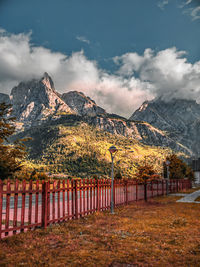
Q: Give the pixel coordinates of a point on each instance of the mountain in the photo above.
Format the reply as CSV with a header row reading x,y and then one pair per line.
x,y
82,105
4,98
71,133
179,118
36,101
73,147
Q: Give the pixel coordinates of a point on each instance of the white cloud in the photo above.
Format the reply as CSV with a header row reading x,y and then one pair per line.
x,y
188,2
83,39
195,13
168,71
139,77
162,4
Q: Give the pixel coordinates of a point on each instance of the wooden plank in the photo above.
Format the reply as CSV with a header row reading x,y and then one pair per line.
x,y
58,203
30,204
63,197
36,201
23,205
44,203
84,212
48,202
90,196
15,205
68,198
94,195
76,198
1,205
80,197
7,208
53,200
87,188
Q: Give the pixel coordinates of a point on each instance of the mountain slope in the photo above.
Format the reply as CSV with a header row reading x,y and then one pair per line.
x,y
78,149
36,100
81,104
179,118
36,103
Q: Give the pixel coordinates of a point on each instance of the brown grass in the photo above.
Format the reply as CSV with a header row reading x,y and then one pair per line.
x,y
158,233
197,199
189,191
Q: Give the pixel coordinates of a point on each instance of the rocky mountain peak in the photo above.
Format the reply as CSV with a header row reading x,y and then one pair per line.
x,y
47,81
178,117
82,104
36,100
4,98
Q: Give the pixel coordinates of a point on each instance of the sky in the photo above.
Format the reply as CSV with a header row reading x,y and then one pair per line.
x,y
118,52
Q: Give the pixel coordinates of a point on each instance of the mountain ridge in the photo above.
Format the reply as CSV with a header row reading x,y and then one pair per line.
x,y
37,102
180,118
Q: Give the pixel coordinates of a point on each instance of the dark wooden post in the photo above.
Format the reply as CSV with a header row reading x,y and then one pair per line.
x,y
97,184
145,191
1,204
157,188
126,188
136,190
44,204
76,199
114,184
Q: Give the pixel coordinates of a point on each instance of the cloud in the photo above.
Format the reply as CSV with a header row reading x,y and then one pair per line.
x,y
162,4
188,2
192,11
83,39
138,78
195,13
168,71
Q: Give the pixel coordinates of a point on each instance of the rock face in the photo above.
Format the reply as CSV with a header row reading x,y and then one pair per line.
x,y
4,98
37,103
140,131
36,100
81,104
179,118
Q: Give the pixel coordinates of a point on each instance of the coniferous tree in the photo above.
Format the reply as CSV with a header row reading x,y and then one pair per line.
x,y
11,154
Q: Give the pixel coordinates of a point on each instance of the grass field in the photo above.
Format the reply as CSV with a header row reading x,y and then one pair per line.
x,y
158,233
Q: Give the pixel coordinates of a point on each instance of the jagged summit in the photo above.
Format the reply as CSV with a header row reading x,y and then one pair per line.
x,y
4,98
34,101
82,104
178,117
37,101
47,81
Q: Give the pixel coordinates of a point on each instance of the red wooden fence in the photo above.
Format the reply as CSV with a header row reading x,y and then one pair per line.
x,y
25,206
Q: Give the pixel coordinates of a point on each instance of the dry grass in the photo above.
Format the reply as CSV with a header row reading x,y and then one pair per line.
x,y
158,233
189,191
197,199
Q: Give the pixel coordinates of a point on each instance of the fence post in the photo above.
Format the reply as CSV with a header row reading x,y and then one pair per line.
x,y
44,204
136,190
97,194
145,191
1,204
126,188
114,192
76,199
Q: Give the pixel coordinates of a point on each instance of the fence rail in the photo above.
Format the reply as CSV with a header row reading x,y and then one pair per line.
x,y
25,206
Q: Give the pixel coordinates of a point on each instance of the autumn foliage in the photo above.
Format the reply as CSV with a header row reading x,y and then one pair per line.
x,y
146,173
178,169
